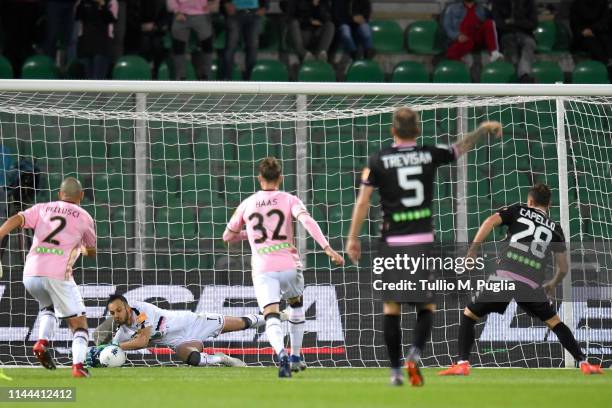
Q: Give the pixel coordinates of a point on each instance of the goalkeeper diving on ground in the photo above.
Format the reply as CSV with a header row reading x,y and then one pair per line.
x,y
142,324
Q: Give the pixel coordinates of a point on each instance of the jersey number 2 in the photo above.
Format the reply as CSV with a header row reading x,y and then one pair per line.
x,y
49,239
260,227
406,183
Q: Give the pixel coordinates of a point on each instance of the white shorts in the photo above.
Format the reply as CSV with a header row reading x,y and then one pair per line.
x,y
205,326
63,295
271,287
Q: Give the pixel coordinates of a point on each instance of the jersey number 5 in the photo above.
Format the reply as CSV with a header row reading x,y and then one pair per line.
x,y
260,227
408,184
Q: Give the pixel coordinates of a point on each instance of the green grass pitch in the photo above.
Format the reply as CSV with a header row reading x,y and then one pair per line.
x,y
175,387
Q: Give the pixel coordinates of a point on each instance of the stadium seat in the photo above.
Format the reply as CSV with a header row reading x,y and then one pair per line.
x,y
365,71
498,72
552,37
132,67
166,71
451,72
6,70
269,70
215,69
590,72
387,37
39,67
424,37
316,71
547,72
410,72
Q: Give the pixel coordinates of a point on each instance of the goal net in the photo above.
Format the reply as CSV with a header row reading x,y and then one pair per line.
x,y
164,171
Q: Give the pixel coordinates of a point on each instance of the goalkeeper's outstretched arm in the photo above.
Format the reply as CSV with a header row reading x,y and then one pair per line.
x,y
470,140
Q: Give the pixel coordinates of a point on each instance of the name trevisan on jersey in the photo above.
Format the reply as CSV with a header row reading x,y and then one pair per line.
x,y
532,236
405,178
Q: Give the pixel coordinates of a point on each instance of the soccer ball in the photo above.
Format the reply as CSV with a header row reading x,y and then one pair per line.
x,y
112,356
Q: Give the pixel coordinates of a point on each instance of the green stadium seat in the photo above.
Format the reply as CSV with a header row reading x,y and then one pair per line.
x,y
365,71
425,37
132,67
498,72
547,72
451,72
545,35
39,67
6,70
552,37
195,189
410,72
590,72
387,37
316,71
269,70
119,222
166,71
215,71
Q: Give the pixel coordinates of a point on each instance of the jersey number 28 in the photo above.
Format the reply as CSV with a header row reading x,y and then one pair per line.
x,y
540,234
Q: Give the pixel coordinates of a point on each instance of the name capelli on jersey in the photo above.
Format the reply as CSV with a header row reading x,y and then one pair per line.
x,y
403,159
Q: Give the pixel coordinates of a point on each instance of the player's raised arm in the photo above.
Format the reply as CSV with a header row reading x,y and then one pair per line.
x,y
471,139
485,229
362,205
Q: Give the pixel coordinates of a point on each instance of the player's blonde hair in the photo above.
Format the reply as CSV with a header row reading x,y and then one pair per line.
x,y
406,123
270,169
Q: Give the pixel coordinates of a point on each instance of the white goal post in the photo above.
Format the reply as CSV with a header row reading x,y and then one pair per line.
x,y
166,162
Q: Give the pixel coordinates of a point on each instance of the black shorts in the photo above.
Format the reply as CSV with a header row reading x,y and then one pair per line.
x,y
538,305
405,277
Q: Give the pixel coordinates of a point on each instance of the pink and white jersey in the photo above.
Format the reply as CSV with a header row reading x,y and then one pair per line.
x,y
269,225
60,228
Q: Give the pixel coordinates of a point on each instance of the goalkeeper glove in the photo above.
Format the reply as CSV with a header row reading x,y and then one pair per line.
x,y
93,355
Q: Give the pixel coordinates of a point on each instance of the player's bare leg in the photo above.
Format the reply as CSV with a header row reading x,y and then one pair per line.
x,y
192,353
48,322
568,341
297,320
275,335
422,331
232,323
393,339
467,335
80,340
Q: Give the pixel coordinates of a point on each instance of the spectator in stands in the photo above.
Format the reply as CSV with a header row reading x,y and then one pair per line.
x,y
469,27
351,18
191,15
94,47
590,20
515,21
242,17
60,26
19,18
154,23
311,30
